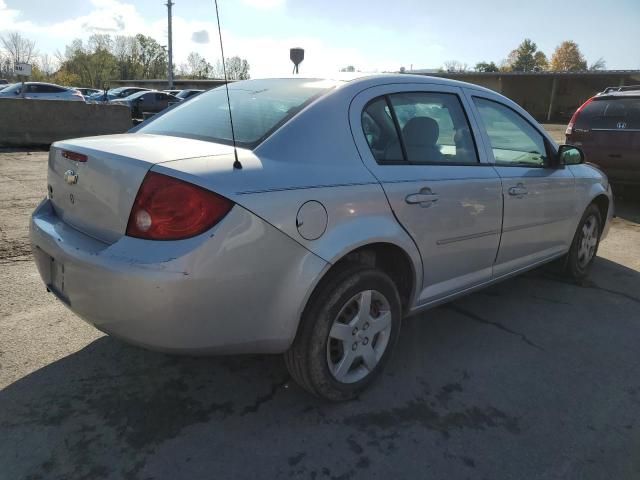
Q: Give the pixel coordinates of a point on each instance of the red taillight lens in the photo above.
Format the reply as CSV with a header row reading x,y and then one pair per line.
x,y
76,157
574,118
170,209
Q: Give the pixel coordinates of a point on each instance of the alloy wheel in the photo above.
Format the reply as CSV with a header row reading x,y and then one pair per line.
x,y
359,336
588,241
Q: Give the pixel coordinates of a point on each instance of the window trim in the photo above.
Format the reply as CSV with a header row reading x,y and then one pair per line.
x,y
406,162
547,145
396,125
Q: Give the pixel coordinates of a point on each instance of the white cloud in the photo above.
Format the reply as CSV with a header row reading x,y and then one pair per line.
x,y
267,56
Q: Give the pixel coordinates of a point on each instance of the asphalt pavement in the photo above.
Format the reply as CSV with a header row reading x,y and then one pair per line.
x,y
533,378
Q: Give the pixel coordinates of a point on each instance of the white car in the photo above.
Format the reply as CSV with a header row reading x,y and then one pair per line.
x,y
41,91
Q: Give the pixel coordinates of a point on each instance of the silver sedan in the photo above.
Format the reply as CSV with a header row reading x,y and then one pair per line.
x,y
350,206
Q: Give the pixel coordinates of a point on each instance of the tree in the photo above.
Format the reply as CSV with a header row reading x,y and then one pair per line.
x,y
568,58
237,69
153,57
19,48
455,66
92,63
599,64
524,56
46,64
349,68
196,66
541,62
486,67
64,77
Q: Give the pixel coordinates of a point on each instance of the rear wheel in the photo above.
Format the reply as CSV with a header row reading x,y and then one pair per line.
x,y
346,334
585,244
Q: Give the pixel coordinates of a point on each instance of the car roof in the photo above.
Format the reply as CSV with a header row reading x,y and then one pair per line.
x,y
46,83
142,92
361,80
624,94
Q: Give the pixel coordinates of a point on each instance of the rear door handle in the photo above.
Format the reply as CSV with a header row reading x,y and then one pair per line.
x,y
518,191
424,198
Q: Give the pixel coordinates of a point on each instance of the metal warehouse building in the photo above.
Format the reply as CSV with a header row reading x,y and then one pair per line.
x,y
546,95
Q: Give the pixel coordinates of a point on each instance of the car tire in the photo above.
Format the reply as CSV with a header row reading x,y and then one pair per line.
x,y
585,244
338,351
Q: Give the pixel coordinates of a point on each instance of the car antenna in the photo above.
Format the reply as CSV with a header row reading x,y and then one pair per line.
x,y
236,164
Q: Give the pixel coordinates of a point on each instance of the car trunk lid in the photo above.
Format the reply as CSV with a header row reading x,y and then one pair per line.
x,y
92,182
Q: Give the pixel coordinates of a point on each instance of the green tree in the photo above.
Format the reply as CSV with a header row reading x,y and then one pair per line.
x,y
64,77
486,67
541,62
568,58
92,62
524,56
153,57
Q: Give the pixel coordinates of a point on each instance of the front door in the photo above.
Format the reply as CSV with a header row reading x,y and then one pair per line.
x,y
539,200
418,141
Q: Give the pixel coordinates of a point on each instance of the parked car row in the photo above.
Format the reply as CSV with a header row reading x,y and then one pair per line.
x,y
141,101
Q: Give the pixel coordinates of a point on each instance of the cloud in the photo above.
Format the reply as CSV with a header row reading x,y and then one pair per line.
x,y
201,36
267,55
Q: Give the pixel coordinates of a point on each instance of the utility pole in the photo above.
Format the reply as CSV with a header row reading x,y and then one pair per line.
x,y
170,75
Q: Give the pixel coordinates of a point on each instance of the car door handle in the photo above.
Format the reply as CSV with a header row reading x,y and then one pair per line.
x,y
518,191
423,199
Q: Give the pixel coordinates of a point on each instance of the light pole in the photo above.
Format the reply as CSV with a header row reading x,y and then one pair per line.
x,y
170,75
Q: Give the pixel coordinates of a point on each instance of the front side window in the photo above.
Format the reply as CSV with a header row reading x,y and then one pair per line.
x,y
514,141
419,128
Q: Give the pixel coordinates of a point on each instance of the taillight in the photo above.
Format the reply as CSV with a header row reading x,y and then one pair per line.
x,y
170,209
75,156
574,118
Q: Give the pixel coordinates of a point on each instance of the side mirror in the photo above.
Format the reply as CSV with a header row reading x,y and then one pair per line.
x,y
570,155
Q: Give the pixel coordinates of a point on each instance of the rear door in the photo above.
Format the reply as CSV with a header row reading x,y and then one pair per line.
x,y
539,200
608,130
418,141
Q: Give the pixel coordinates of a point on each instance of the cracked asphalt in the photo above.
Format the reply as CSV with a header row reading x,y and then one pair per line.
x,y
533,378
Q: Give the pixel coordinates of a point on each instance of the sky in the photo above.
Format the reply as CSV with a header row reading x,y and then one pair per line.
x,y
372,35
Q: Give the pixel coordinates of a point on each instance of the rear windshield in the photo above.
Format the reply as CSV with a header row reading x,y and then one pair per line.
x,y
609,113
258,108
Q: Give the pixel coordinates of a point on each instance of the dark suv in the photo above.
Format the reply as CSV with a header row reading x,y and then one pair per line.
x,y
607,128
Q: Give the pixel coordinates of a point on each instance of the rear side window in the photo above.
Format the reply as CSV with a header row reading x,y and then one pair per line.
x,y
614,113
419,128
258,107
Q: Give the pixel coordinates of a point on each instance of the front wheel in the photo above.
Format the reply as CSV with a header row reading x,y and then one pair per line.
x,y
585,244
346,333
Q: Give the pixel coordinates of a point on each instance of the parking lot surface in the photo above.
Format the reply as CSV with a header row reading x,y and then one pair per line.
x,y
533,378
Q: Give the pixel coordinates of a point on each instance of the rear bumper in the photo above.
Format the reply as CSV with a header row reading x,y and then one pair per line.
x,y
239,288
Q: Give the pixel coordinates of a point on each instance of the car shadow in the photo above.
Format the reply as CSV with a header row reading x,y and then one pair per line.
x,y
111,410
627,207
